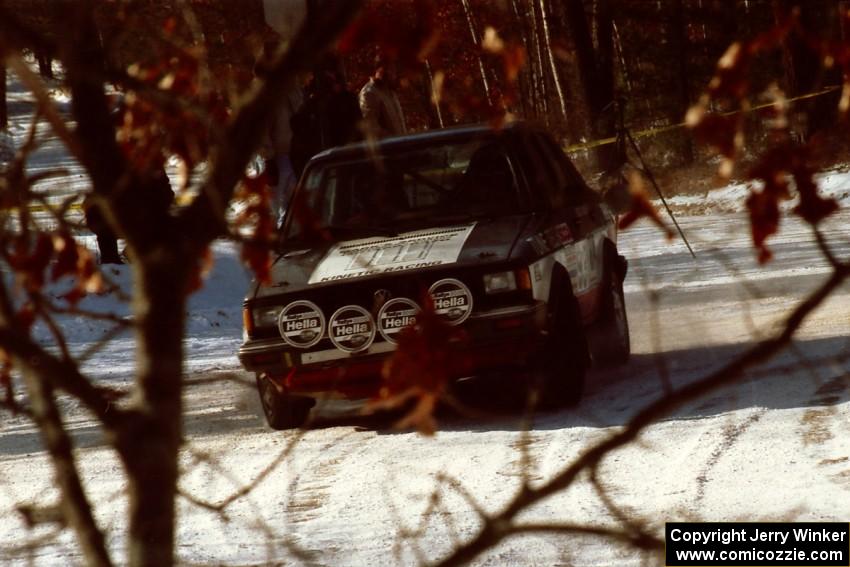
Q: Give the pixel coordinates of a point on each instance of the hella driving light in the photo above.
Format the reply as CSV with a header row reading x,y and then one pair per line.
x,y
497,283
351,329
301,324
266,316
452,300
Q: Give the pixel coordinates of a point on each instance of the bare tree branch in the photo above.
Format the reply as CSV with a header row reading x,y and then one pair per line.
x,y
205,217
75,506
497,528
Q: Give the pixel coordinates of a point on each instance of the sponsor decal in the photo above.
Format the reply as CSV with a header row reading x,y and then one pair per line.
x,y
408,251
452,300
301,324
395,315
552,238
351,328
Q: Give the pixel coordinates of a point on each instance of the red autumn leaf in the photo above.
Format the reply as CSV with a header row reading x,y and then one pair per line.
x,y
202,267
813,208
403,32
74,296
169,25
764,205
257,251
719,131
731,79
774,170
764,220
514,58
428,356
31,265
258,257
641,207
25,316
67,257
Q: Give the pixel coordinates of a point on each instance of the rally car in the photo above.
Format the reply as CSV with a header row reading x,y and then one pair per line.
x,y
496,227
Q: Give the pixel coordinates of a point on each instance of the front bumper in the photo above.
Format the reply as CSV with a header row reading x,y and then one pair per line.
x,y
497,338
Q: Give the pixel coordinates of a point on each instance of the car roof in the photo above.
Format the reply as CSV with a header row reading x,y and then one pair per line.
x,y
429,137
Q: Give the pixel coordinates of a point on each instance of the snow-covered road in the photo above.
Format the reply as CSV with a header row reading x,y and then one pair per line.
x,y
775,446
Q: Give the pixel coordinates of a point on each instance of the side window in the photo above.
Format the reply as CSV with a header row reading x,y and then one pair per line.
x,y
307,196
541,174
570,182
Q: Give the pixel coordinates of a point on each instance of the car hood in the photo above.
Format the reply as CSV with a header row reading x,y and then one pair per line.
x,y
462,244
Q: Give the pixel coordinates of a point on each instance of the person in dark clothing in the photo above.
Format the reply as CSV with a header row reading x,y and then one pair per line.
x,y
160,194
330,116
154,182
107,242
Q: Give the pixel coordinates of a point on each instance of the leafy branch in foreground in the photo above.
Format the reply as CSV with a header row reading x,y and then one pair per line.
x,y
501,525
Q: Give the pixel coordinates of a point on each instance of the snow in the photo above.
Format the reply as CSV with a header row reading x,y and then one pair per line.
x,y
775,446
833,184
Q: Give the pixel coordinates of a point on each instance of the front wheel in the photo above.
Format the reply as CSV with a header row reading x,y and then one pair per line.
x,y
564,358
282,410
614,341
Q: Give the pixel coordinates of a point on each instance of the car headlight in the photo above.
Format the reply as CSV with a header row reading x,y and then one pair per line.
x,y
266,316
507,281
499,282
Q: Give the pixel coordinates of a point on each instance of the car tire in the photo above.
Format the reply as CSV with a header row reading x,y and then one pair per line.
x,y
283,411
564,358
613,340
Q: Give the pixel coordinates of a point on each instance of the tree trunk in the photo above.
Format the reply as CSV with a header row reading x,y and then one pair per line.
x,y
542,91
804,71
679,46
556,78
477,44
149,442
596,69
75,506
45,64
528,98
4,108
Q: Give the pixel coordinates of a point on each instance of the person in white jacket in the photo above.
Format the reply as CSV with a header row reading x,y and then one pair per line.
x,y
382,113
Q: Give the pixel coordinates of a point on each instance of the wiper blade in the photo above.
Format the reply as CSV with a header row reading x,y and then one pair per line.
x,y
465,217
362,230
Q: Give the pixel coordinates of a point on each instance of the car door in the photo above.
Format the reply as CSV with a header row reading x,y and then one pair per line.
x,y
589,223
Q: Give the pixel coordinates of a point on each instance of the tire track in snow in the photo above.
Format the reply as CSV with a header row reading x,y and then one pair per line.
x,y
817,430
309,490
527,442
731,434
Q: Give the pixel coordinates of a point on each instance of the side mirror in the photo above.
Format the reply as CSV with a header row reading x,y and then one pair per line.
x,y
615,193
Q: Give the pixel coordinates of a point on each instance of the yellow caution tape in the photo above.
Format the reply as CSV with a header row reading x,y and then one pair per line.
x,y
46,208
568,149
653,131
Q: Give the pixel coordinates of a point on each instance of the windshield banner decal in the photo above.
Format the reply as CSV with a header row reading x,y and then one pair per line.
x,y
378,255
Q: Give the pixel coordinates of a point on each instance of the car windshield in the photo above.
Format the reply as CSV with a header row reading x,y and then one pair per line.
x,y
406,189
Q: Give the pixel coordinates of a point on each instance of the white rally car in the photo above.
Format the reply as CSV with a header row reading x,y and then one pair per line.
x,y
497,227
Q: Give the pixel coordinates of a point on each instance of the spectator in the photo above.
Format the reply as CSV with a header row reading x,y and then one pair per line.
x,y
276,146
379,103
159,194
329,117
107,242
